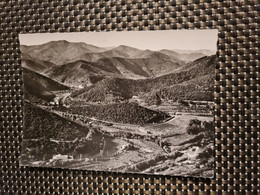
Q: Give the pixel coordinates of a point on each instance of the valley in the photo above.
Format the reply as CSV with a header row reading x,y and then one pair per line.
x,y
129,110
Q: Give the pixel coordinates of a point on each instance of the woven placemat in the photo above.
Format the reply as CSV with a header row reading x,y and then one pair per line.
x,y
237,148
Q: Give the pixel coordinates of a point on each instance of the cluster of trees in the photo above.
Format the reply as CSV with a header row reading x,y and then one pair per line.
x,y
44,149
89,147
125,112
41,123
50,84
107,90
196,126
199,89
95,78
32,98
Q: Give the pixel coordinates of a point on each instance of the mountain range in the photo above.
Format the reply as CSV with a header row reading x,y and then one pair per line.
x,y
118,73
196,76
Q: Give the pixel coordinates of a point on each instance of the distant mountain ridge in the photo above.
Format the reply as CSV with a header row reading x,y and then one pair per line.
x,y
59,52
206,52
129,61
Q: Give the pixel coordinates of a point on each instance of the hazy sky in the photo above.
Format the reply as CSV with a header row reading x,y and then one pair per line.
x,y
153,40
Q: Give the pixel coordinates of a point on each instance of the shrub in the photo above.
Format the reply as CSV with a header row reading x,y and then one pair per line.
x,y
196,126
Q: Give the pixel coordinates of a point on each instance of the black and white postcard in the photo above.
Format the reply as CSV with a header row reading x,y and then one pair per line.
x,y
134,102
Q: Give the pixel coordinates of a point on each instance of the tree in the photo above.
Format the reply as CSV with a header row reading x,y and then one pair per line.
x,y
194,127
